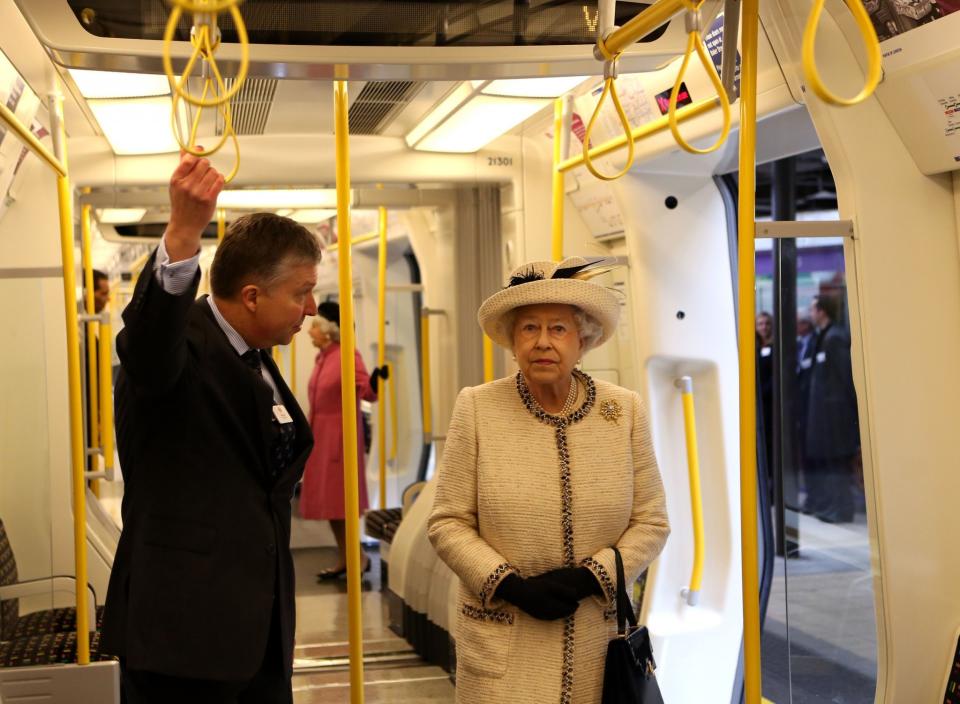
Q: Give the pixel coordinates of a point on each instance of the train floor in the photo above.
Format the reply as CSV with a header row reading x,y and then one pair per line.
x,y
819,639
392,671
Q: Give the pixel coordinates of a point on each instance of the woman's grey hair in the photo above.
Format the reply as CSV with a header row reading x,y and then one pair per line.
x,y
588,327
328,327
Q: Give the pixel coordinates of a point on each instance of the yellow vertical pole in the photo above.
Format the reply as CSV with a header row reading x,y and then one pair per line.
x,y
425,374
92,386
106,391
393,414
382,354
221,224
277,357
747,349
557,229
65,202
349,392
487,360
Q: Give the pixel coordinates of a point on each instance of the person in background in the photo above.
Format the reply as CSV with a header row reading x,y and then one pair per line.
x,y
832,439
321,496
101,291
542,475
764,328
200,605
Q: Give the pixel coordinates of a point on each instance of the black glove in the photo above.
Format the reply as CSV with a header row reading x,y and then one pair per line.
x,y
543,599
378,374
579,579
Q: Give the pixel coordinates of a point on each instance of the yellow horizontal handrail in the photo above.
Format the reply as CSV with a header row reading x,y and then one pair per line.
x,y
692,592
640,26
685,113
31,141
870,42
356,240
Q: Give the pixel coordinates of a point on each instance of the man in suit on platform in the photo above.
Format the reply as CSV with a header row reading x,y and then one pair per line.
x,y
832,437
200,606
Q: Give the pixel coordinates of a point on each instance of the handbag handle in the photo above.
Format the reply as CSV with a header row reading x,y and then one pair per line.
x,y
624,608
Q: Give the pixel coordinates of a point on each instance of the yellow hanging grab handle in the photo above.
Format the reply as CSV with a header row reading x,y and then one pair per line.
x,y
209,84
695,44
870,43
609,87
205,48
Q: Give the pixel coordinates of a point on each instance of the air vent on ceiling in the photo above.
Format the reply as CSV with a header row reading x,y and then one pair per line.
x,y
378,103
250,107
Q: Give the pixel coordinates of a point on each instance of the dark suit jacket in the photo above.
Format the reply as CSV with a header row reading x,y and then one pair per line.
x,y
833,430
205,548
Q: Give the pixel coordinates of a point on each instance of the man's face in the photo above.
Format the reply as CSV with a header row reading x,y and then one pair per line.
x,y
101,295
282,307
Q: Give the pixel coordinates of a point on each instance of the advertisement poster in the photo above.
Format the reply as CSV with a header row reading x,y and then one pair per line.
x,y
23,103
894,17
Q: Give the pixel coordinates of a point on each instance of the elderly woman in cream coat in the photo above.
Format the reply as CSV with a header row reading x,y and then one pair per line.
x,y
542,475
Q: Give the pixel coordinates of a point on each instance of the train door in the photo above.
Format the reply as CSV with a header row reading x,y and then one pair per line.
x,y
819,638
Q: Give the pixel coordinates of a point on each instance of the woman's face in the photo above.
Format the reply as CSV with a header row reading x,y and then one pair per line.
x,y
319,337
764,326
547,342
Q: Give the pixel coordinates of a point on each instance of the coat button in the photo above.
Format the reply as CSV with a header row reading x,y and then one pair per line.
x,y
271,549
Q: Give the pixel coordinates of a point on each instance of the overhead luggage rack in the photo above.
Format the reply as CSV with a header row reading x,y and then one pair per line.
x,y
415,40
370,22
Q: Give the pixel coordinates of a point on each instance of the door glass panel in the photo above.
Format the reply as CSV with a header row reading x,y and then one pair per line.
x,y
820,628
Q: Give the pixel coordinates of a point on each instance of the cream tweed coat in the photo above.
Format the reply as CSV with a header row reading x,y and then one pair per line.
x,y
507,501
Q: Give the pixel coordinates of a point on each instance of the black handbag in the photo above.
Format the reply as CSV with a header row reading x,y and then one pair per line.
x,y
628,674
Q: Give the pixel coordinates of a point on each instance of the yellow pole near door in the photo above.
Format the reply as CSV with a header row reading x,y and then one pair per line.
x,y
221,224
348,385
65,202
556,249
382,354
488,371
747,347
426,392
106,391
93,404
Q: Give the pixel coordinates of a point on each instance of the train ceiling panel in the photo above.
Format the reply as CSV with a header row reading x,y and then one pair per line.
x,y
397,40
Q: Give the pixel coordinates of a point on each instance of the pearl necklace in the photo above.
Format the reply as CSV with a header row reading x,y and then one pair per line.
x,y
571,401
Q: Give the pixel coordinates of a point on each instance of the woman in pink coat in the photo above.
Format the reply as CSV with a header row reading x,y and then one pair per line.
x,y
321,497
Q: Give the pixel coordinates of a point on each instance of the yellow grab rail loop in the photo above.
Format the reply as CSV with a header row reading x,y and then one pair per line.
x,y
870,43
609,88
205,46
695,44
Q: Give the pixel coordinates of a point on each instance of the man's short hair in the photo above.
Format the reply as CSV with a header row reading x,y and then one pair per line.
x,y
98,276
827,305
256,248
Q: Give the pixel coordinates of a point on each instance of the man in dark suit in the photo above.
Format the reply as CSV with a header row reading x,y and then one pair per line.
x,y
833,431
200,605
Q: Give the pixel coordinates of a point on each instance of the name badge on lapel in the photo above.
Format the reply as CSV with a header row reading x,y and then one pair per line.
x,y
821,357
281,414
